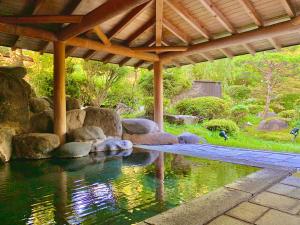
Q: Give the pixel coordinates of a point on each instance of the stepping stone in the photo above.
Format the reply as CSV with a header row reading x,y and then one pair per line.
x,y
275,201
227,220
247,211
293,181
274,217
287,190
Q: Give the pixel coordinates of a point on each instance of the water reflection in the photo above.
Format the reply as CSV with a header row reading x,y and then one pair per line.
x,y
106,189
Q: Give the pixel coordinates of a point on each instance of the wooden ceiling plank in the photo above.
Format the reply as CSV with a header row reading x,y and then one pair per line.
x,y
250,9
207,57
176,31
184,13
40,19
288,7
249,48
212,8
70,50
274,43
140,30
161,49
190,60
89,54
158,21
38,5
104,12
227,53
107,58
139,63
102,36
124,61
131,16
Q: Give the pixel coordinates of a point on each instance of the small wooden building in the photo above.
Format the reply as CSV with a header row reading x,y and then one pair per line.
x,y
145,33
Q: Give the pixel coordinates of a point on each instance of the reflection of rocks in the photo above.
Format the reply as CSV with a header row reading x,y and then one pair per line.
x,y
141,158
139,126
180,166
73,150
159,138
88,133
107,119
6,148
35,145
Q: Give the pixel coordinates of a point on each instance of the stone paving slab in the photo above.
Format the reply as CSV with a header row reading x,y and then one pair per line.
x,y
247,211
287,190
226,220
279,202
293,181
248,157
274,217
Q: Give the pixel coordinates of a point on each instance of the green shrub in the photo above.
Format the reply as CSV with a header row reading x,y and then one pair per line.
x,y
207,107
149,105
222,124
288,114
239,92
255,109
239,112
277,107
288,100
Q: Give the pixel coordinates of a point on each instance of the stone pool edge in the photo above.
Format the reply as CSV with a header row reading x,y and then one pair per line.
x,y
207,207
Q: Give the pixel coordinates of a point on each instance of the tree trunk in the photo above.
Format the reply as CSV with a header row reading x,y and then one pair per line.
x,y
269,94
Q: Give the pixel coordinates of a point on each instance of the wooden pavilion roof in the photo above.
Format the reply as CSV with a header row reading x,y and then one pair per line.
x,y
138,32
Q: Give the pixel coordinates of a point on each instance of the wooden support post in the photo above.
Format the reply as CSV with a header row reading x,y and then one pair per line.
x,y
158,94
60,126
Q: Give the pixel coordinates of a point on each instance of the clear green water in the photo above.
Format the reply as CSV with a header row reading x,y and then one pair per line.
x,y
105,190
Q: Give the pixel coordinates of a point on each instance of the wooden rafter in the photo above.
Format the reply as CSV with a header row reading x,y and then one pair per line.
x,y
106,11
38,19
124,61
190,60
213,9
227,53
102,36
44,47
274,43
140,30
70,50
288,7
158,21
107,58
179,8
176,31
262,33
161,49
139,63
207,57
89,54
249,48
249,7
38,5
131,16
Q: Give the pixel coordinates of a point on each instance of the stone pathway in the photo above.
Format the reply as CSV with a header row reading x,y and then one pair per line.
x,y
257,158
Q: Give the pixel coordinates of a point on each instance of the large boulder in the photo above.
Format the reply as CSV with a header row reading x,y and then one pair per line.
x,y
75,119
139,126
73,150
181,119
16,71
110,145
6,148
35,145
42,122
72,103
158,138
88,133
272,124
38,105
188,138
14,101
107,119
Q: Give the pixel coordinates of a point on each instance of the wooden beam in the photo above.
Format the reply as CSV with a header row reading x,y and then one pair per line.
x,y
89,54
158,21
39,19
140,30
104,12
60,125
227,52
179,8
102,36
124,61
249,48
70,50
207,57
249,7
212,8
288,7
158,94
190,60
107,58
161,49
176,31
288,27
274,43
131,16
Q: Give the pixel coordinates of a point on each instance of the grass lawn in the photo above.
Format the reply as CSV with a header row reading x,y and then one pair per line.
x,y
250,138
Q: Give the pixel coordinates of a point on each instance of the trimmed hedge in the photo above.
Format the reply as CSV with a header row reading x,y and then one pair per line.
x,y
207,107
255,109
239,92
222,124
239,112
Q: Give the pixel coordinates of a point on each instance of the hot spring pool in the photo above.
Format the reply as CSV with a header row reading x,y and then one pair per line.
x,y
105,190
